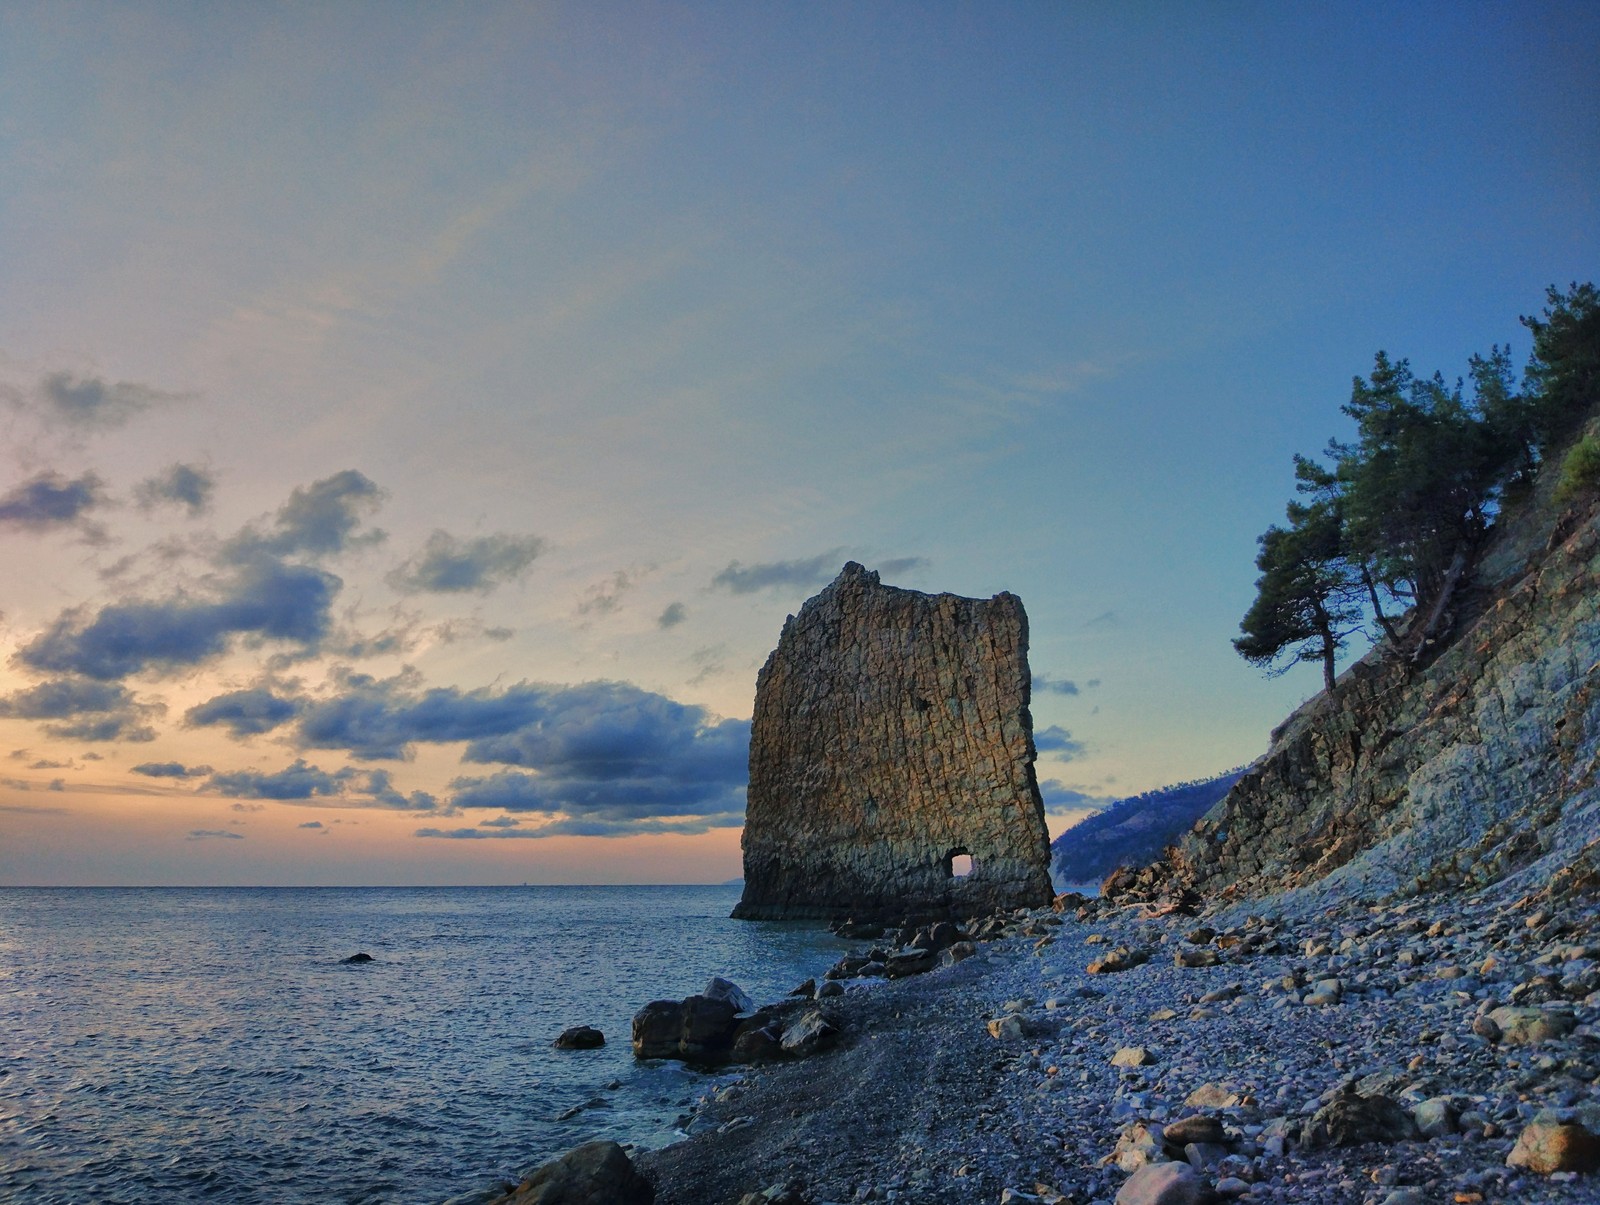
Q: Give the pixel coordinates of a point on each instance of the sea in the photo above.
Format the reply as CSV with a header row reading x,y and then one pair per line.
x,y
173,1044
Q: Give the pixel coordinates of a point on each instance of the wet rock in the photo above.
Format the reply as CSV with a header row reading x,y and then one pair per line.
x,y
596,1173
357,959
725,989
580,1037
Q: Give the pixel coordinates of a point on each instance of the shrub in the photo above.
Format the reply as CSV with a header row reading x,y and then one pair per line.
x,y
1580,471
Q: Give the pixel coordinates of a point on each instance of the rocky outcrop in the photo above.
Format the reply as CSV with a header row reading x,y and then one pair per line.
x,y
891,737
1477,765
596,1173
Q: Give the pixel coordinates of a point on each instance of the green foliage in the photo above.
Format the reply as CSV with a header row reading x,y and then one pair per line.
x,y
1562,381
1304,608
1401,509
1580,471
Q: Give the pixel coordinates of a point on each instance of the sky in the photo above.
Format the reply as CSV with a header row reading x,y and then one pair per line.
x,y
416,421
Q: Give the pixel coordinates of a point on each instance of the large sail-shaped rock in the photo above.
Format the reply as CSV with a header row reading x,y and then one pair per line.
x,y
891,743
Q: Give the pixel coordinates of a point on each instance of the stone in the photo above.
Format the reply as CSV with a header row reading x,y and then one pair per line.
x,y
1199,1127
913,961
1123,958
892,736
1163,1184
1528,1026
1350,1119
812,1031
725,989
596,1173
959,952
657,1029
829,988
1195,956
1132,1056
1008,1026
357,959
1212,1096
708,1026
1546,1149
1436,1117
580,1037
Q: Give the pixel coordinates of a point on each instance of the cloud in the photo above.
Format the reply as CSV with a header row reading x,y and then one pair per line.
x,y
311,824
318,520
598,749
78,708
900,565
672,616
606,596
270,599
448,565
299,781
1106,619
739,578
170,769
23,809
1056,739
1059,798
90,402
182,485
244,712
1055,686
46,764
501,822
205,834
592,828
50,501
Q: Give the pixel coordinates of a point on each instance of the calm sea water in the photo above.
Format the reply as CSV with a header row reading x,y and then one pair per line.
x,y
170,1045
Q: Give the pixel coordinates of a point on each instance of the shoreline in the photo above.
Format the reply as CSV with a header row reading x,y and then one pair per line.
x,y
919,1103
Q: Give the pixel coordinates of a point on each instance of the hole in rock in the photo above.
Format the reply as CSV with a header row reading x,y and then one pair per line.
x,y
960,865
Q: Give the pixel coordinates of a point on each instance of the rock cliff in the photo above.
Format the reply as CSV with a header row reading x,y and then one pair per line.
x,y
1477,766
891,737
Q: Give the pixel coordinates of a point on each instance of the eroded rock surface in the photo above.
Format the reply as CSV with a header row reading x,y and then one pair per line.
x,y
892,736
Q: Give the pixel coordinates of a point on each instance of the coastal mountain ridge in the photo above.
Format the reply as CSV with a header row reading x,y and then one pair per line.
x,y
1133,831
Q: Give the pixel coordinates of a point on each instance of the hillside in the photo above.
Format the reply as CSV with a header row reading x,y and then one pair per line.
x,y
1133,831
1474,766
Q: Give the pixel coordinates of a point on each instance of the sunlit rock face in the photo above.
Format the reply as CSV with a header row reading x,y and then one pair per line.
x,y
891,742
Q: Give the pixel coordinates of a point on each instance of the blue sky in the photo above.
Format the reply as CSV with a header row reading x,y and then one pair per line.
x,y
418,421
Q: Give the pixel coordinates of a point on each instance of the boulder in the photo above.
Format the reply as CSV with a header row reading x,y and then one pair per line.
x,y
1198,1127
357,959
1520,1025
596,1173
812,1031
657,1030
580,1037
911,961
1548,1148
708,1026
1350,1119
1163,1184
725,989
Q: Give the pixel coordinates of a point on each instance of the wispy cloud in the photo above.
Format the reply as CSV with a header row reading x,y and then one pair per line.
x,y
211,834
739,578
50,502
247,712
672,616
90,402
183,485
1057,740
447,564
1055,686
169,769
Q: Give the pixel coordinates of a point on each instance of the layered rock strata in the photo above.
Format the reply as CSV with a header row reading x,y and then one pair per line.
x,y
1478,765
891,740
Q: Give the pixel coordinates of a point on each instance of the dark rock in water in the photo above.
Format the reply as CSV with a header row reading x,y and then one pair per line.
x,y
580,1037
891,740
358,958
657,1030
725,989
596,1173
707,1028
707,1031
